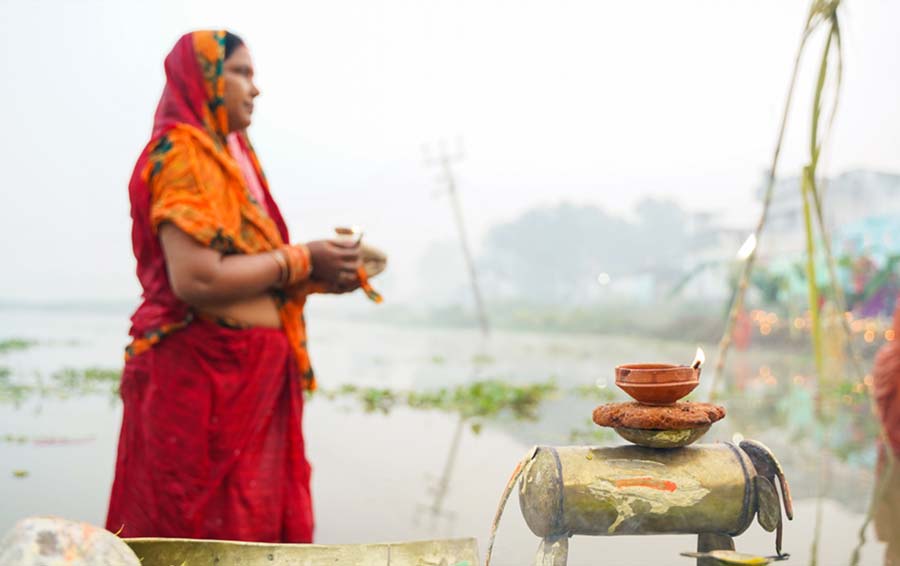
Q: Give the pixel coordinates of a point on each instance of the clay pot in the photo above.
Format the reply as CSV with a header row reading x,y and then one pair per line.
x,y
655,373
657,384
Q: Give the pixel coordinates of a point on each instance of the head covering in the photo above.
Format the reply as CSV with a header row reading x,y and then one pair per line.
x,y
186,176
195,86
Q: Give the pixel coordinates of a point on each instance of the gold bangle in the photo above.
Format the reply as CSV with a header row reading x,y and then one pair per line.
x,y
284,273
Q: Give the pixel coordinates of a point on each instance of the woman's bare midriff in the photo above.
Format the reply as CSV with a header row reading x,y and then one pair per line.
x,y
255,311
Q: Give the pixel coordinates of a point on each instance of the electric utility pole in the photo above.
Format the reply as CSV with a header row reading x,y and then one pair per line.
x,y
444,160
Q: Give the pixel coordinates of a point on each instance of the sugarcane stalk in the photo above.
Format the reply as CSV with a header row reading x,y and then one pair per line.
x,y
747,268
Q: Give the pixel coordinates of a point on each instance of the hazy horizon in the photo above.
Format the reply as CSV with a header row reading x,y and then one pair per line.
x,y
599,103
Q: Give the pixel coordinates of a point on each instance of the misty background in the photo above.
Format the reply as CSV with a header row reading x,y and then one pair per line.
x,y
613,154
596,116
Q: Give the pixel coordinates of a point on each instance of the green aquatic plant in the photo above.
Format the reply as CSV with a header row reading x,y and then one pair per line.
x,y
473,402
62,384
482,359
71,381
15,344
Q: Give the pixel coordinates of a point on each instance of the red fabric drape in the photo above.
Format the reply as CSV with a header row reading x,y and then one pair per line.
x,y
886,385
211,443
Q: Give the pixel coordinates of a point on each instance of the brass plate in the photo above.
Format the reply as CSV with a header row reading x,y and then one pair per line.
x,y
730,557
373,259
184,552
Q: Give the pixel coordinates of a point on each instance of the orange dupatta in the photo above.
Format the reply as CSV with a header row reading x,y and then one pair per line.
x,y
195,184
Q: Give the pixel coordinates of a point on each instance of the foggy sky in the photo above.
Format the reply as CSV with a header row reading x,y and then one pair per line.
x,y
591,102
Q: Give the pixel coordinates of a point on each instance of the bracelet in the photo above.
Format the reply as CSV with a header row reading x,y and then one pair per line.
x,y
284,272
298,263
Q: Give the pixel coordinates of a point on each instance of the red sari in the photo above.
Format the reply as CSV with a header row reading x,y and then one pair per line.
x,y
211,444
886,391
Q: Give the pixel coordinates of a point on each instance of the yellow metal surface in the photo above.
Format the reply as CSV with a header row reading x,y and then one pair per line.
x,y
732,558
636,490
190,552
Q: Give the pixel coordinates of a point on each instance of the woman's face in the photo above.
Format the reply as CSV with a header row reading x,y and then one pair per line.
x,y
239,89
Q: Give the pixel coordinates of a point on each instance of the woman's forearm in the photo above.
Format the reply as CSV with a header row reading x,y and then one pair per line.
x,y
232,278
201,276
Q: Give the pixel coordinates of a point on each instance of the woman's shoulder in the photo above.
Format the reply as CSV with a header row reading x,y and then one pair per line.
x,y
181,150
181,139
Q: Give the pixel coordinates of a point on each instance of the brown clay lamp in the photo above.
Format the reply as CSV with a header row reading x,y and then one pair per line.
x,y
658,419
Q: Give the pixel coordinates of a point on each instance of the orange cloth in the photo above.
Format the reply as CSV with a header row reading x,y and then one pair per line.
x,y
197,185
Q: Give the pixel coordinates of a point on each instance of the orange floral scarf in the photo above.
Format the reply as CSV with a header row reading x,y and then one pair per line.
x,y
195,184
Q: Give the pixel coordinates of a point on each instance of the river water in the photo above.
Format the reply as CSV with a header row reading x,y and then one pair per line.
x,y
396,476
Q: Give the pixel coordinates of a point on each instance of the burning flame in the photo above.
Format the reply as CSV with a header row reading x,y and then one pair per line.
x,y
699,358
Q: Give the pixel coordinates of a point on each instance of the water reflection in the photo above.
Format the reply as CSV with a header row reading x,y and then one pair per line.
x,y
507,396
887,513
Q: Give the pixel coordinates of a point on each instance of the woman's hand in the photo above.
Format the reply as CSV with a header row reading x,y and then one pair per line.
x,y
335,262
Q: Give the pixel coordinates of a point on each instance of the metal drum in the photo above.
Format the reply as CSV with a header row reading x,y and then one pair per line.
x,y
626,490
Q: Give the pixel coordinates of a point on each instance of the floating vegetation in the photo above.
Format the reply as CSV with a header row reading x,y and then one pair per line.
x,y
20,474
774,395
71,381
477,400
62,384
482,359
15,344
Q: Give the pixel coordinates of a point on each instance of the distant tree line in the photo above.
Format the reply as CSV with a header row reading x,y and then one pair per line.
x,y
555,254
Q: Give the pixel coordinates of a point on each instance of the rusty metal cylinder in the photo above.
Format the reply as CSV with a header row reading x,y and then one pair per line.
x,y
625,490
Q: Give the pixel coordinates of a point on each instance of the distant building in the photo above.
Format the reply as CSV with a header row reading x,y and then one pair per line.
x,y
861,211
708,266
712,258
862,216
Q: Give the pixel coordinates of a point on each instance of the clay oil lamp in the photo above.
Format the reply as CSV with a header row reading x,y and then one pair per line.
x,y
659,384
657,418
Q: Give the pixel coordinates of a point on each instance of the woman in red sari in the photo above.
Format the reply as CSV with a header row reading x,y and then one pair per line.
x,y
211,443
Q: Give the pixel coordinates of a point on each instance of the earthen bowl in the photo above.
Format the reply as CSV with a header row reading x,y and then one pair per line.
x,y
658,393
655,373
